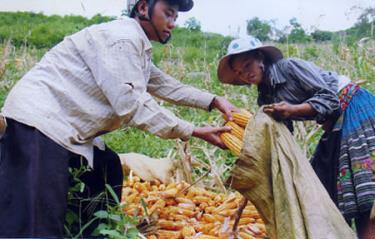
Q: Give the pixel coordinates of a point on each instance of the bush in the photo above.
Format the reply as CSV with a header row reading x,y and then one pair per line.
x,y
38,30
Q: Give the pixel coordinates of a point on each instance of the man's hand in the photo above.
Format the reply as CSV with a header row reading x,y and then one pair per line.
x,y
224,106
211,134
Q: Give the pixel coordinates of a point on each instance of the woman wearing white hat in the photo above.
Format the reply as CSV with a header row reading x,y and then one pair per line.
x,y
294,89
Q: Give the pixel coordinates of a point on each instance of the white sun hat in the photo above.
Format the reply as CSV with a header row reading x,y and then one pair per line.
x,y
244,44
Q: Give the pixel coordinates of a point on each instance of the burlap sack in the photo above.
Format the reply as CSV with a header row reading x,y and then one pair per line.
x,y
148,168
276,177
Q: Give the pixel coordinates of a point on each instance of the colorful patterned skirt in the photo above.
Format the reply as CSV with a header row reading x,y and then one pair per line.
x,y
356,175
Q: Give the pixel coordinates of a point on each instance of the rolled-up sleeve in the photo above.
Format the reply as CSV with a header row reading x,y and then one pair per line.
x,y
323,100
168,88
120,75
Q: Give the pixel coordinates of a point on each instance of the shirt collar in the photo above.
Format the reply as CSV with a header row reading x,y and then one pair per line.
x,y
141,32
275,74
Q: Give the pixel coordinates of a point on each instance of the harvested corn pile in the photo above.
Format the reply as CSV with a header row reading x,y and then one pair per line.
x,y
234,138
185,211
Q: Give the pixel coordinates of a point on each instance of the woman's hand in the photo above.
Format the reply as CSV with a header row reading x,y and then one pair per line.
x,y
211,134
284,110
279,111
224,106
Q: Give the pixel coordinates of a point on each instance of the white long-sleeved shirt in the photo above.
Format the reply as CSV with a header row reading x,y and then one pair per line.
x,y
96,80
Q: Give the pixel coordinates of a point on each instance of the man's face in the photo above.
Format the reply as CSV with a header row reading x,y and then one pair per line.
x,y
164,19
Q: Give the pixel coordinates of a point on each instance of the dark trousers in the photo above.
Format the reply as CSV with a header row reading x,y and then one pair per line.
x,y
325,161
35,181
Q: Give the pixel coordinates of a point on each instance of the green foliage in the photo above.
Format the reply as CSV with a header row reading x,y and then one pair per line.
x,y
294,33
292,51
298,34
72,219
193,24
258,28
114,223
191,46
365,25
311,53
36,29
321,36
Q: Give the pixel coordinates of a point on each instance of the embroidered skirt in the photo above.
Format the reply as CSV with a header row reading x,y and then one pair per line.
x,y
356,180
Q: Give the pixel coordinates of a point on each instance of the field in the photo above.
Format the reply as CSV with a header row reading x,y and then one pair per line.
x,y
191,57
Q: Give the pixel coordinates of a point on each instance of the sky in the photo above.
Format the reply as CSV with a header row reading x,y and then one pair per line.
x,y
227,17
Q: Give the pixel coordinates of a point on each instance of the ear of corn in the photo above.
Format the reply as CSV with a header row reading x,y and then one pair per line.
x,y
232,142
188,231
236,130
241,118
165,234
233,139
207,237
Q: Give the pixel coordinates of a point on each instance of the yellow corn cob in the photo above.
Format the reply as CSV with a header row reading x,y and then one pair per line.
x,y
131,198
188,231
184,200
241,118
219,218
207,237
227,212
245,235
250,213
182,211
170,202
206,228
246,221
203,205
230,205
209,209
170,225
201,199
187,206
214,231
236,129
177,217
255,229
166,234
171,192
159,204
232,142
219,198
209,218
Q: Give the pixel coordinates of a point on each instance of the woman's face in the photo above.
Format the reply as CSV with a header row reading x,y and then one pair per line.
x,y
248,69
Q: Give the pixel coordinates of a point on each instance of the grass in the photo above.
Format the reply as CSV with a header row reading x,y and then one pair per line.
x,y
200,71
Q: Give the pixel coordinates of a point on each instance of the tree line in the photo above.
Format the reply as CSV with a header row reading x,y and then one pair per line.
x,y
295,33
41,31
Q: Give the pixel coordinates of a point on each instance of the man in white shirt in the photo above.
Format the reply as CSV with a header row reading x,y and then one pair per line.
x,y
93,82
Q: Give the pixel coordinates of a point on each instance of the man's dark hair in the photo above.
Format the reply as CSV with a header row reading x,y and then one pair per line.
x,y
151,4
